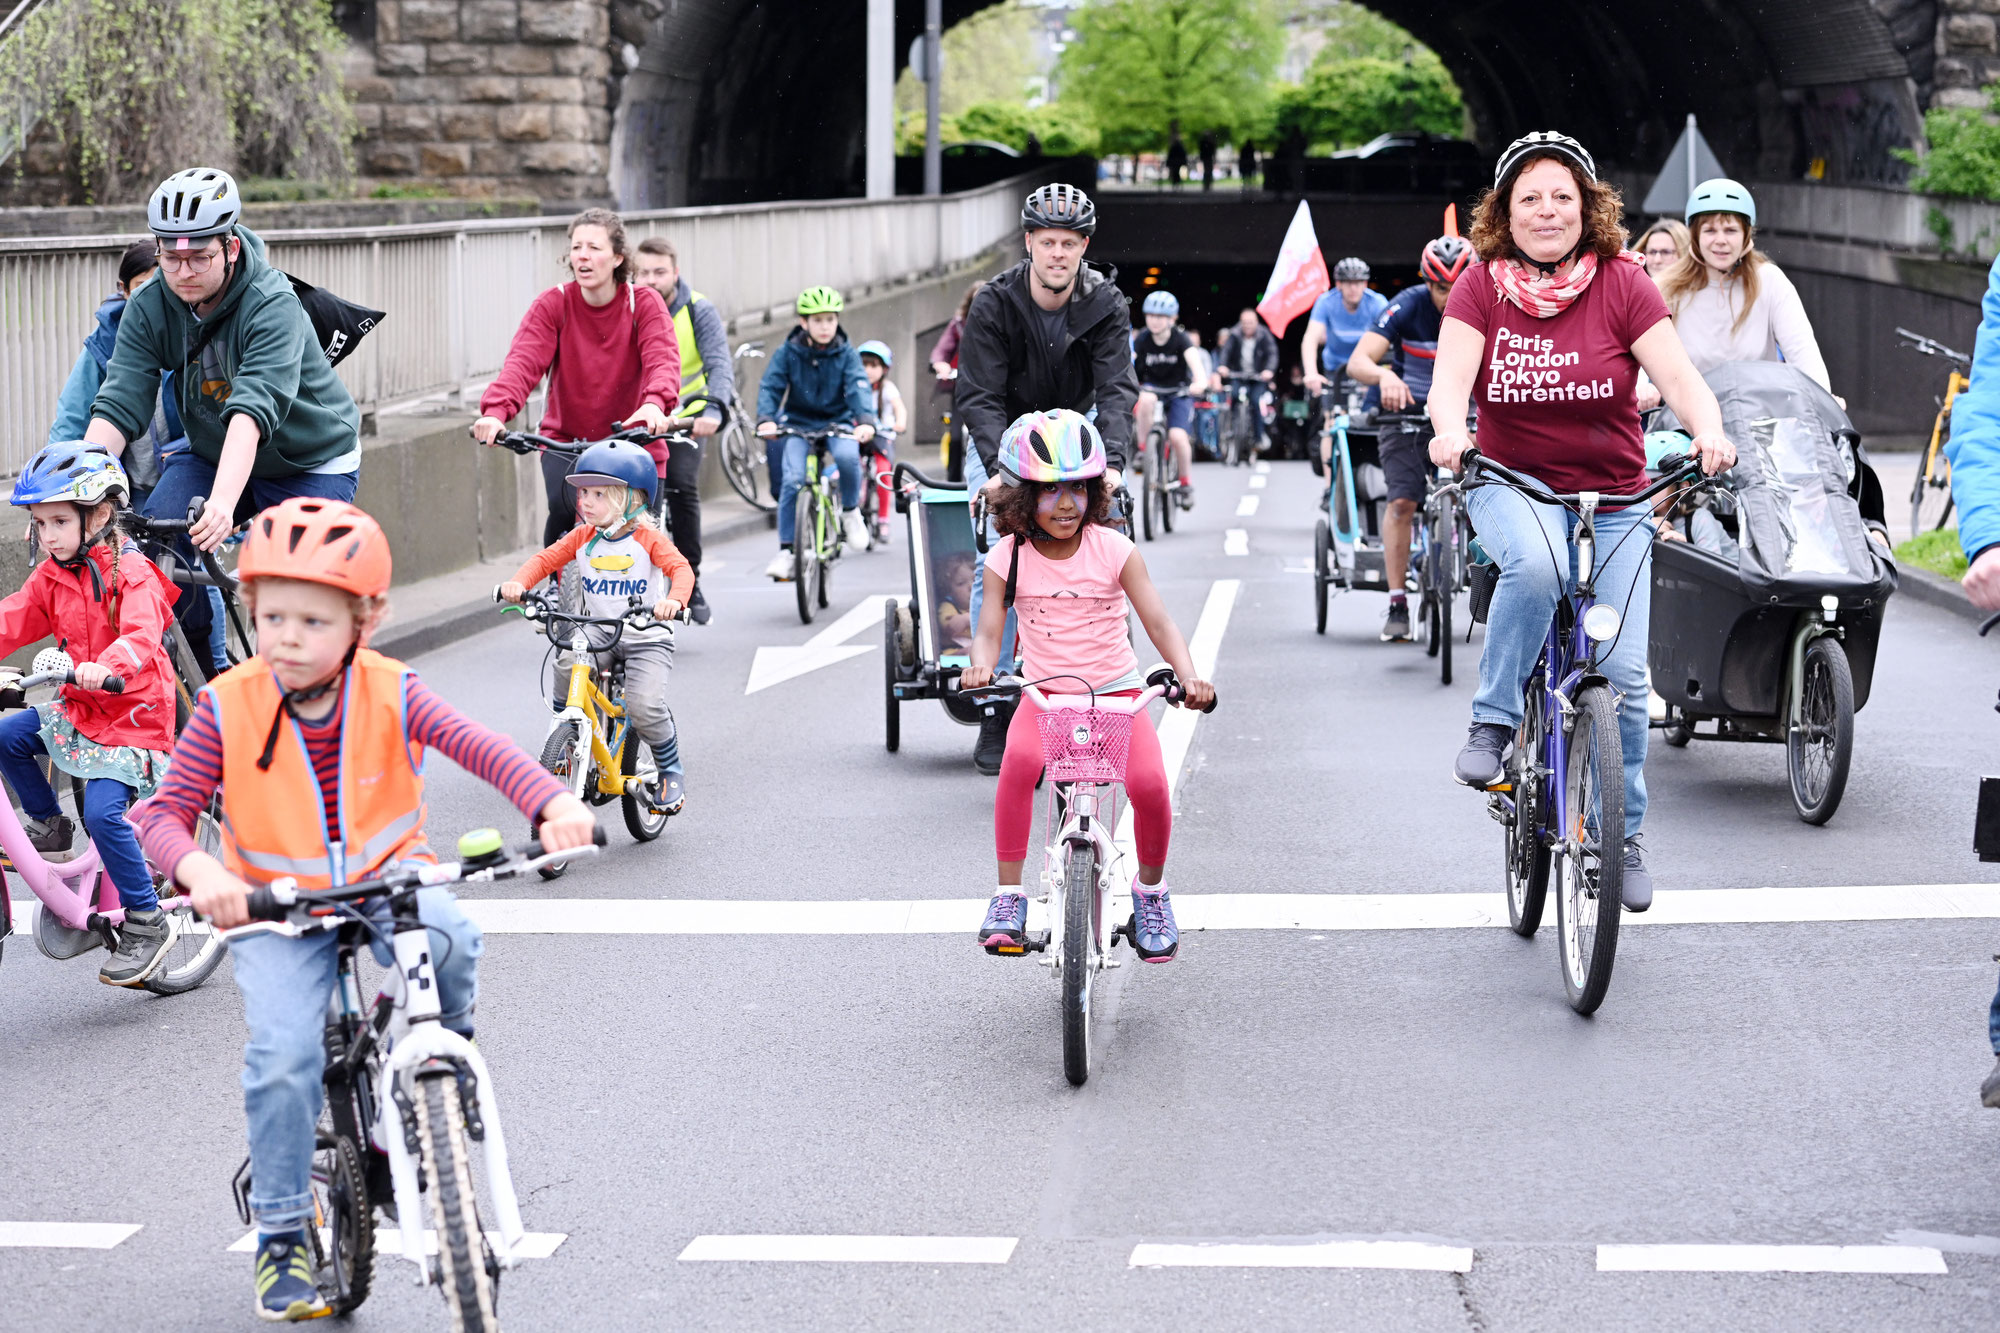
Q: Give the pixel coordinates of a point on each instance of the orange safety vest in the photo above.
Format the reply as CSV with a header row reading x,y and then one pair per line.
x,y
274,822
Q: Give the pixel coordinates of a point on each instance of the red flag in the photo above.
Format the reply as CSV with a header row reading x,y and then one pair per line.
x,y
1298,279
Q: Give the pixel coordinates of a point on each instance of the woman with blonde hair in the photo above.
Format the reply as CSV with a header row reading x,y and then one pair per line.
x,y
1662,247
1729,302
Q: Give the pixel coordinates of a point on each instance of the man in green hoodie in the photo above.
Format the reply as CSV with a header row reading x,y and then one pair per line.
x,y
266,416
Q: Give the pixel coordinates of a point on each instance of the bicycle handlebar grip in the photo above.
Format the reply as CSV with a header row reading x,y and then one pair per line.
x,y
114,685
196,504
264,906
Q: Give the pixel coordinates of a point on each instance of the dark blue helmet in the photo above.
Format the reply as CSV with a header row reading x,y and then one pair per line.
x,y
618,463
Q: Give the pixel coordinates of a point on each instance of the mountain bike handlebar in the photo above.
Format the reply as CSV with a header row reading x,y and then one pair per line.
x,y
1924,346
639,615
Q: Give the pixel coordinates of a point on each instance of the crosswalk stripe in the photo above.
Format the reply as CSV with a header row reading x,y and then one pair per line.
x,y
1258,481
1324,1254
1769,1259
65,1235
389,1241
851,1249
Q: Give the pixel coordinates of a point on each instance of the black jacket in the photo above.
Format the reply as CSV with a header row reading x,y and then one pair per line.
x,y
1263,357
1005,368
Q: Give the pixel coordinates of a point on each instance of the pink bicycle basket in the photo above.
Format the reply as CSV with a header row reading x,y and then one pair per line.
x,y
1085,744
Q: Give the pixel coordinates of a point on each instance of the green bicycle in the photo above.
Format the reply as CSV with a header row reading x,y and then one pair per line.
x,y
816,539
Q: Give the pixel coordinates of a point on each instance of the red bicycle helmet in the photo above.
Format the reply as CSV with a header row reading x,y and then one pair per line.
x,y
317,541
1445,259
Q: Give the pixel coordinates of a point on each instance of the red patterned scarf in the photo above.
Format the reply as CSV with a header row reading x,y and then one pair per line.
x,y
1547,294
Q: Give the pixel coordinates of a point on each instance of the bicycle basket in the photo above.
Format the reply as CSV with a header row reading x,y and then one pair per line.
x,y
1085,744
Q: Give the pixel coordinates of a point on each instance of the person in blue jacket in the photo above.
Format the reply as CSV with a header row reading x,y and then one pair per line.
x,y
1974,451
164,436
814,383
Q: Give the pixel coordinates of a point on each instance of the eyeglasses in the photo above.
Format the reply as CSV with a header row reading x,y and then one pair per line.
x,y
174,263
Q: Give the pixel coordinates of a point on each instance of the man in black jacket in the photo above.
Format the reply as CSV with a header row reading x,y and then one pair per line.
x,y
1053,331
1250,353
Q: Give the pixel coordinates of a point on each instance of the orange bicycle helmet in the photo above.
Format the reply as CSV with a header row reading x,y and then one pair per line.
x,y
317,541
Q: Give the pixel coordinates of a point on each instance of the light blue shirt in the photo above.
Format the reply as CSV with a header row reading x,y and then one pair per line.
x,y
1344,327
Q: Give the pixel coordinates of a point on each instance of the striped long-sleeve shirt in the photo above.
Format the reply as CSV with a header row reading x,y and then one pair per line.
x,y
166,822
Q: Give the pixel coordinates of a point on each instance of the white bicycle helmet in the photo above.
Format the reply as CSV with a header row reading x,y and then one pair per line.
x,y
194,205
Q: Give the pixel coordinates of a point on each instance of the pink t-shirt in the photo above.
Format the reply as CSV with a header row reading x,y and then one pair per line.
x,y
1556,396
1073,613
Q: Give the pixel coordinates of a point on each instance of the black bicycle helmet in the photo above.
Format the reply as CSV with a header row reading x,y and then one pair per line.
x,y
1059,205
1542,143
1351,269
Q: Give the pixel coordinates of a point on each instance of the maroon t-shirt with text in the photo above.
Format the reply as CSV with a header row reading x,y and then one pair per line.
x,y
1557,396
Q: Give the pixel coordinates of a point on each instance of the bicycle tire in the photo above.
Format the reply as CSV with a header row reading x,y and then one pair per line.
x,y
832,544
1820,750
198,949
1590,884
560,757
635,760
1930,493
1149,489
346,1262
463,1270
1169,500
1322,555
740,461
1079,939
805,551
892,657
1527,855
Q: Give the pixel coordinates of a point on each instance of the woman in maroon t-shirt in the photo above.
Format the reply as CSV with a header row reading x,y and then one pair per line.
x,y
1548,334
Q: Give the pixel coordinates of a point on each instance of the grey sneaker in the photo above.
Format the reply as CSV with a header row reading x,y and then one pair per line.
x,y
1989,1091
1484,757
1638,884
53,836
1396,625
143,942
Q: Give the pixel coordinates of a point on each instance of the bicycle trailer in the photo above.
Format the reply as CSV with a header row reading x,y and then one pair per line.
x,y
927,637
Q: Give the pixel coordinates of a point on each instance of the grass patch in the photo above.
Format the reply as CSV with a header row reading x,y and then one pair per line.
x,y
1939,552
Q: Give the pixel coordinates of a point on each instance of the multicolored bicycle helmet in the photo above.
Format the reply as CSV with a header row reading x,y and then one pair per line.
x,y
72,470
820,301
1351,269
1721,195
317,541
618,463
878,349
1058,445
1445,258
1059,205
1162,303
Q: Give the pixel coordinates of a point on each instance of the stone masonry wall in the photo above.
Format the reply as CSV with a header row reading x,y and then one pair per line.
x,y
1968,52
486,98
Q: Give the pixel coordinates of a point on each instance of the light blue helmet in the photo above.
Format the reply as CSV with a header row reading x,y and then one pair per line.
x,y
1721,195
72,470
877,349
1162,303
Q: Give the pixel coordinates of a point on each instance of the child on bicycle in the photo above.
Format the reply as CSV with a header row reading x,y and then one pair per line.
x,y
107,607
317,746
618,553
1074,581
892,418
814,385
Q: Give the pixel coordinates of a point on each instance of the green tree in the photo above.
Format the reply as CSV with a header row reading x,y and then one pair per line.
x,y
988,58
1061,130
1964,157
1351,32
1144,66
1348,101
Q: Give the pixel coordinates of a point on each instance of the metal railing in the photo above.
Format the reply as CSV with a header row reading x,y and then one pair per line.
x,y
456,291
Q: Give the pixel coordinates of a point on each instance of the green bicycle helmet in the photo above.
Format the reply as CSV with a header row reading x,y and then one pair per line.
x,y
820,301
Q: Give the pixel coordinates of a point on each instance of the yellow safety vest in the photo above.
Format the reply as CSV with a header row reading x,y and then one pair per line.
x,y
694,378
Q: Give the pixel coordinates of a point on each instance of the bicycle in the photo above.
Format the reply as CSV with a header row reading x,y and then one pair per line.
x,y
403,1092
1930,493
1085,740
157,539
1160,496
1242,415
591,746
1562,794
78,908
739,447
1440,565
817,539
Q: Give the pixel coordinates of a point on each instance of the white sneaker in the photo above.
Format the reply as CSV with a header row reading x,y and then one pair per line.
x,y
780,568
854,528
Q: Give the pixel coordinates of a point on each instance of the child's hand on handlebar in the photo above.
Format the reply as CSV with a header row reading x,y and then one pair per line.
x,y
975,678
513,591
1197,694
1447,450
1715,451
666,609
217,894
91,675
566,824
487,429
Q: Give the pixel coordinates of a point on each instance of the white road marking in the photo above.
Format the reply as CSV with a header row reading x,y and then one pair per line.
x,y
1236,541
67,1235
1247,506
1322,912
389,1241
1263,467
851,1249
1258,481
1769,1259
1323,1254
775,665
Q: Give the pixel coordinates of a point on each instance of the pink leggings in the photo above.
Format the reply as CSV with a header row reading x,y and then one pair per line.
x,y
1145,787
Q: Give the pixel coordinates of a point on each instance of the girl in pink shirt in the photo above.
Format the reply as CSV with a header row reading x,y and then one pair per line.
x,y
1074,582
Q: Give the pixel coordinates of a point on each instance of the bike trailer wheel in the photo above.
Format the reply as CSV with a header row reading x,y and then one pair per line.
x,y
1322,559
466,1269
1591,868
1079,947
1819,750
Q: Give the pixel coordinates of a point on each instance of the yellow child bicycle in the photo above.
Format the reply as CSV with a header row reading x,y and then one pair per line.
x,y
1930,494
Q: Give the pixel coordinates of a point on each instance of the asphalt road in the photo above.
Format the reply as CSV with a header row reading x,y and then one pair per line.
x,y
1785,1083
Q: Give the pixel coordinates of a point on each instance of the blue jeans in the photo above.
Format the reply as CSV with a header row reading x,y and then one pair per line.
x,y
104,804
846,452
975,477
1522,537
286,984
185,476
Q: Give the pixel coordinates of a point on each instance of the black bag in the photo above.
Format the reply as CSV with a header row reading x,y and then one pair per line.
x,y
339,324
1485,577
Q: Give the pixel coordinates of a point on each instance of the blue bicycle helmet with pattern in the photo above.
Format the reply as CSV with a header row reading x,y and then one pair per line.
x,y
1162,303
618,463
72,470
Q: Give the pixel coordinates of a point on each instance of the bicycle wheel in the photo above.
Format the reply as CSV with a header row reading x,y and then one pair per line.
x,y
892,659
1591,872
742,455
197,949
1527,853
1149,490
1079,946
465,1267
831,544
636,760
565,755
1169,500
1232,441
1820,748
1930,493
345,1259
1322,561
805,551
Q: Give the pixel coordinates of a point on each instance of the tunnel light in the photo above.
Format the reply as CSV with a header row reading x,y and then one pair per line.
x,y
1600,622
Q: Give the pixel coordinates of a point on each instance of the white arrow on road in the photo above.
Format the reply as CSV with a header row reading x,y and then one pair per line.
x,y
774,666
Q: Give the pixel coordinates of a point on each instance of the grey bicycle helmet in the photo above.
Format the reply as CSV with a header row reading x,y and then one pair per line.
x,y
1721,195
1351,269
1059,205
1543,143
194,205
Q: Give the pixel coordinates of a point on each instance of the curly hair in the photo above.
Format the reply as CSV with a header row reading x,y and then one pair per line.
x,y
1603,217
614,230
1013,512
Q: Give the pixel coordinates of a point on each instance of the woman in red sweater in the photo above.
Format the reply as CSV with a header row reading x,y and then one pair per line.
x,y
605,343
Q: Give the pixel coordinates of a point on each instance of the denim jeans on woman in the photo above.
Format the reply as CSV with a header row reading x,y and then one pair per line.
x,y
846,453
1526,539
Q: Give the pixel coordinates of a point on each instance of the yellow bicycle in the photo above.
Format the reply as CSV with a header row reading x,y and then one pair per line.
x,y
1930,493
